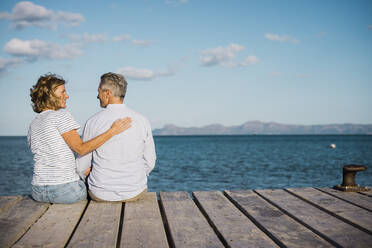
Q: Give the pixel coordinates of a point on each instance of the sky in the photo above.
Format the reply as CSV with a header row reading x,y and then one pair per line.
x,y
193,63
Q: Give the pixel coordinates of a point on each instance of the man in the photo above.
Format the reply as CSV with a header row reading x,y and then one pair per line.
x,y
121,166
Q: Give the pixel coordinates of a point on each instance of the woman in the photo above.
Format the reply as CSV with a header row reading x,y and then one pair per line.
x,y
52,138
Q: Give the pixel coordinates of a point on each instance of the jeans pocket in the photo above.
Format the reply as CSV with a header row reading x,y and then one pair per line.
x,y
70,192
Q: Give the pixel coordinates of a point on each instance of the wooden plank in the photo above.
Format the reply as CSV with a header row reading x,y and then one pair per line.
x,y
15,222
236,229
328,226
7,202
143,225
358,216
368,193
99,226
54,228
187,225
352,197
289,232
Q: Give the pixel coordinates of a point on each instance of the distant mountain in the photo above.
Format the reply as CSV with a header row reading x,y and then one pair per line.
x,y
258,127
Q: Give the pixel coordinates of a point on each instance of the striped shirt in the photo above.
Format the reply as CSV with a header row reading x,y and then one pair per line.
x,y
54,160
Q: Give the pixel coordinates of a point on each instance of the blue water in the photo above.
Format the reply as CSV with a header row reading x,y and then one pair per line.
x,y
190,163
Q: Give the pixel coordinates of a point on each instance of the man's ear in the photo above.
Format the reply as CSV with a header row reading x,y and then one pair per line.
x,y
109,93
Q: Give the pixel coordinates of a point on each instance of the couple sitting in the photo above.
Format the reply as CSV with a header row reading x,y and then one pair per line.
x,y
116,150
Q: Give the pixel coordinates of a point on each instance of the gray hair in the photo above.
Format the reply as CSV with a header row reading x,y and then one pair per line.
x,y
114,82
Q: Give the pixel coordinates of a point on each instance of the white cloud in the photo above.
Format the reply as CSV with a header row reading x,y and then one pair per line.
x,y
370,27
72,19
143,43
176,2
33,49
249,60
220,55
143,74
5,63
87,38
281,38
27,14
224,56
123,37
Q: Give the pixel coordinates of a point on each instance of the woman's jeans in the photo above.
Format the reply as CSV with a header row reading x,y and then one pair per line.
x,y
61,193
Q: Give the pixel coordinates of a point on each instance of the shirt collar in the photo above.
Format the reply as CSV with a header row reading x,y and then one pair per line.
x,y
114,106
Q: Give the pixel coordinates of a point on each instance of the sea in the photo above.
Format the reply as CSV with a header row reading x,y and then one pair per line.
x,y
194,163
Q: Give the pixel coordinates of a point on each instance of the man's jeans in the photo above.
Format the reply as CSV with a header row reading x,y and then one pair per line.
x,y
61,193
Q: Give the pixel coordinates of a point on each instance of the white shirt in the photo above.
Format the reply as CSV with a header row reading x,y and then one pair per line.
x,y
54,160
122,164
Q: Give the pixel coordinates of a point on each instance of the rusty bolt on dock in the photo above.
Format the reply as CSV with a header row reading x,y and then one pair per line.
x,y
348,179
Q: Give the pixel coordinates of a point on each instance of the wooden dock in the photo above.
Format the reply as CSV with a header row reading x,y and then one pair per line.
x,y
306,217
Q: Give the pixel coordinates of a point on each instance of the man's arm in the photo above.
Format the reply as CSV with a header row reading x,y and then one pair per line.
x,y
84,163
149,154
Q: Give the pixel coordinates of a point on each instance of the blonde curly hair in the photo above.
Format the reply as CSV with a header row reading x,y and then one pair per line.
x,y
42,93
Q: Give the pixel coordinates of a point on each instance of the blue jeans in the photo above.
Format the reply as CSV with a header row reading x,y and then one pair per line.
x,y
61,193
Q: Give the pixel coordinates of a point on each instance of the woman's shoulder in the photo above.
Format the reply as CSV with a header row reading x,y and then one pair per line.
x,y
62,113
58,116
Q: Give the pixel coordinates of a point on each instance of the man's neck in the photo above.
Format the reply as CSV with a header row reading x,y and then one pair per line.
x,y
115,100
